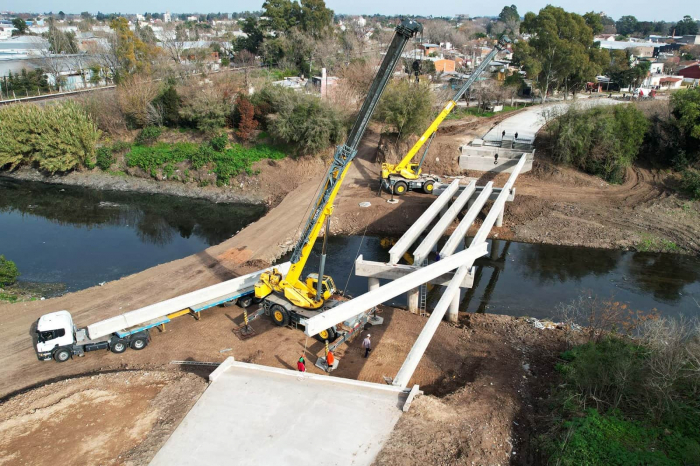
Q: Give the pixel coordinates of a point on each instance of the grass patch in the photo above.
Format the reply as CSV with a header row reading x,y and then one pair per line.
x,y
651,243
227,162
628,402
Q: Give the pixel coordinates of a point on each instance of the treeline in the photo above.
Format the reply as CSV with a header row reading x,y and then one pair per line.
x,y
604,141
561,54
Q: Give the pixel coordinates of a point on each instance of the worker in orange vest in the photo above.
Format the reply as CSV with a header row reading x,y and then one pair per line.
x,y
330,359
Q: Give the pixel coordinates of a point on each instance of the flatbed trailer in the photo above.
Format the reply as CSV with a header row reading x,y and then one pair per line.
x,y
59,339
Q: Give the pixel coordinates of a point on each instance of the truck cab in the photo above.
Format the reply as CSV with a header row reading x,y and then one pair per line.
x,y
54,330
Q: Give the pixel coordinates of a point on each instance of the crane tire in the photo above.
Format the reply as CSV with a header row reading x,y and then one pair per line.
x,y
280,316
400,188
329,334
428,187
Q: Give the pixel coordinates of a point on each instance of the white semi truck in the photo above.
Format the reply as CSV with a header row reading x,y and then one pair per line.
x,y
58,338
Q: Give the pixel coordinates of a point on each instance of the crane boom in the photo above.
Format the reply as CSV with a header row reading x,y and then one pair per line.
x,y
412,171
296,291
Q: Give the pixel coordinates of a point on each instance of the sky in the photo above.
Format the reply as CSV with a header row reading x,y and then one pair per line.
x,y
645,10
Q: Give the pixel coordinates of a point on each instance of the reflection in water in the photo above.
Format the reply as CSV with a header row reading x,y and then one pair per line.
x,y
81,237
675,273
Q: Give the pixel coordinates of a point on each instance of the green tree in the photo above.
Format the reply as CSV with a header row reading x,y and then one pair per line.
x,y
61,15
132,54
251,26
60,41
627,25
280,15
509,14
406,107
686,27
8,272
686,108
315,18
594,21
559,55
21,27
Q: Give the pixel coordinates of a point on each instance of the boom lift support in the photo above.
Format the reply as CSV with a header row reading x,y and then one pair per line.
x,y
287,298
407,176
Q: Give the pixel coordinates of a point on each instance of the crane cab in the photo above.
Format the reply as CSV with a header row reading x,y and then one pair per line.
x,y
328,285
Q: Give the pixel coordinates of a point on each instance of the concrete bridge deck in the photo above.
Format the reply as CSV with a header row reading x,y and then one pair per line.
x,y
258,415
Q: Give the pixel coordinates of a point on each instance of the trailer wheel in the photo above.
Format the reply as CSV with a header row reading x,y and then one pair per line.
x,y
139,343
428,187
400,188
245,301
118,346
280,316
329,334
62,355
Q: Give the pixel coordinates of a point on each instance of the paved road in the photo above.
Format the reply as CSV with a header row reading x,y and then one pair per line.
x,y
528,122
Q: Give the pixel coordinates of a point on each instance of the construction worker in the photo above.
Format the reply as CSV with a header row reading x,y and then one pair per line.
x,y
367,345
516,135
301,364
330,359
503,134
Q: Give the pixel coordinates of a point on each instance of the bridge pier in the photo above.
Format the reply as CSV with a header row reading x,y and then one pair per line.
x,y
453,310
499,220
372,283
413,299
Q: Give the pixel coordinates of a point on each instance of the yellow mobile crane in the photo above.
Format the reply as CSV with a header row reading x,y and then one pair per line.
x,y
286,298
406,175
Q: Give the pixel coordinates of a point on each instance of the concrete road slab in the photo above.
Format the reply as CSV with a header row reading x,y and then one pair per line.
x,y
259,415
528,122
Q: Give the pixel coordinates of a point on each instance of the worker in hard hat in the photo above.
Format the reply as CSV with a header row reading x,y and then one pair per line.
x,y
367,345
330,359
301,364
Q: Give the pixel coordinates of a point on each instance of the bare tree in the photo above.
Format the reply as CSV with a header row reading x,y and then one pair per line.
x,y
174,42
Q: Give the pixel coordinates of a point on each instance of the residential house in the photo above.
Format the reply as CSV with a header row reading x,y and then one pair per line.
x,y
690,73
429,48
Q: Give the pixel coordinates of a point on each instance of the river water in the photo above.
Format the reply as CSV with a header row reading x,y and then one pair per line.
x,y
81,237
525,279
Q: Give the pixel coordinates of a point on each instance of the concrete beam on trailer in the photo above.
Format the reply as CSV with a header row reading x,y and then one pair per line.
x,y
422,251
377,270
408,238
373,298
461,231
195,299
426,335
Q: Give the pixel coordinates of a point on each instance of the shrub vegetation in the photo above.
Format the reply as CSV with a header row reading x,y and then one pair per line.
x,y
8,272
629,402
406,107
602,141
55,138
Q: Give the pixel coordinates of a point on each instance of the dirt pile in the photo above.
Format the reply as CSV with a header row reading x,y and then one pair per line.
x,y
119,418
485,410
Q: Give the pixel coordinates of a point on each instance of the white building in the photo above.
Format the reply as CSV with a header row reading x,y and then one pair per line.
x,y
166,17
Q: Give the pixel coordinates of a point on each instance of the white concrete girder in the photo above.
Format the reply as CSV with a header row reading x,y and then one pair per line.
x,y
387,271
426,335
422,251
461,231
498,205
349,309
408,238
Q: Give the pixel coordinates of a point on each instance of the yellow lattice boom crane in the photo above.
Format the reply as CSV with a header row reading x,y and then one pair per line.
x,y
287,298
408,175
